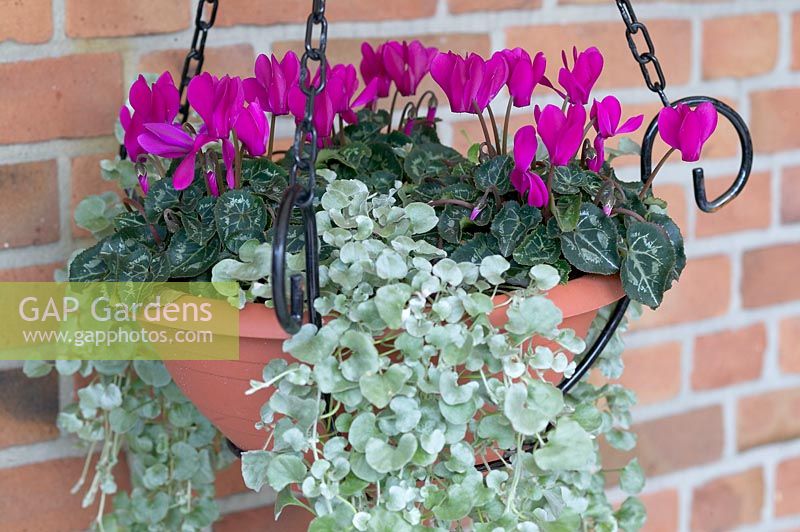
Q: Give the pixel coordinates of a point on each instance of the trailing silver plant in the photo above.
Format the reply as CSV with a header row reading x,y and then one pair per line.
x,y
408,386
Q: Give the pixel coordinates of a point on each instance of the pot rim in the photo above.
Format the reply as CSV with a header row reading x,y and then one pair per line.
x,y
579,296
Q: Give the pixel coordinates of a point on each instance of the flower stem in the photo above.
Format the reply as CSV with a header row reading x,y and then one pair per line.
x,y
628,212
652,176
447,201
505,125
494,129
551,201
391,110
271,136
492,152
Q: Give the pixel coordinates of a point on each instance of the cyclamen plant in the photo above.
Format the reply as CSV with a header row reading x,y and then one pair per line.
x,y
419,246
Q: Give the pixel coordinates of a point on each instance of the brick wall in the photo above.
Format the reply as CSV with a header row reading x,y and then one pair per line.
x,y
717,369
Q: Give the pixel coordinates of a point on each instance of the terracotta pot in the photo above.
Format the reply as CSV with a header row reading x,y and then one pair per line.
x,y
217,387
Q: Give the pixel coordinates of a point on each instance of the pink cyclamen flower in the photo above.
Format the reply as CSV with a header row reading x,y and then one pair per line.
x,y
219,102
335,98
606,116
371,68
342,86
686,129
406,64
528,184
523,74
173,142
561,134
159,103
579,81
469,82
272,81
252,128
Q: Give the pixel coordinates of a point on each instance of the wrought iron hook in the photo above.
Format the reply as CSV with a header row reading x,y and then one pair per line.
x,y
290,314
745,141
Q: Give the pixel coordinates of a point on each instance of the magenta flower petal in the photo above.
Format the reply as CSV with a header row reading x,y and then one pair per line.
x,y
252,129
669,124
630,125
372,68
523,74
579,81
537,192
595,164
166,140
707,114
201,96
525,145
686,129
228,157
561,134
184,174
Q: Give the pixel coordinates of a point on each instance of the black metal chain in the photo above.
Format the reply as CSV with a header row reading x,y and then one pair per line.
x,y
305,137
290,312
645,59
196,53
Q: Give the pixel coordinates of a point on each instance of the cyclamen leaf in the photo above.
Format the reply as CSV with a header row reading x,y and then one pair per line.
x,y
675,236
188,258
511,223
592,246
648,264
538,248
567,212
494,173
476,249
240,216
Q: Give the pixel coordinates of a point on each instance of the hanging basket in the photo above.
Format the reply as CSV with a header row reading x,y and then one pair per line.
x,y
218,388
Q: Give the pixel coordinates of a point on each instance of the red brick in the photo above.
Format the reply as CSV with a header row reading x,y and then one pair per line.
x,y
751,210
702,292
32,217
465,6
662,511
293,518
787,488
28,408
234,60
790,345
727,502
770,275
729,357
672,443
69,97
100,18
653,372
767,418
260,13
773,116
39,272
87,180
37,497
29,21
740,46
790,191
674,38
